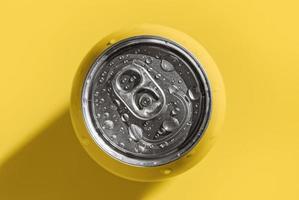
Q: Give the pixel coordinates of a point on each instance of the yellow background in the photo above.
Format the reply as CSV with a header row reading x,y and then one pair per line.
x,y
255,44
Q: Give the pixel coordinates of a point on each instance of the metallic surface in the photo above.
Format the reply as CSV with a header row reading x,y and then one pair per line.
x,y
171,83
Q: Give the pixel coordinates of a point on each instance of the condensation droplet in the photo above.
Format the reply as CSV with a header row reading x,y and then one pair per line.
x,y
112,41
148,60
175,111
170,124
150,69
194,93
113,107
167,66
158,76
117,102
106,115
125,117
104,73
102,100
102,80
167,171
135,132
108,124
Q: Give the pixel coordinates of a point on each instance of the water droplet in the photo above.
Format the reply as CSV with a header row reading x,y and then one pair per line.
x,y
123,80
108,124
148,60
180,81
146,123
131,79
125,117
102,80
158,76
167,171
98,115
117,102
122,144
173,113
194,93
106,115
112,41
113,107
170,124
135,132
104,73
150,69
189,155
172,89
102,100
167,66
114,136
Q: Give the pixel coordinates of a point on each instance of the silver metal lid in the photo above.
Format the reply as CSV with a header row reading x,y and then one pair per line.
x,y
146,101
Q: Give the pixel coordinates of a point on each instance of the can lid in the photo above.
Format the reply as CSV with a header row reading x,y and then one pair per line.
x,y
146,101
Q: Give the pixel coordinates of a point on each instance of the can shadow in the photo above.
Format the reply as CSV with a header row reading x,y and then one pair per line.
x,y
54,166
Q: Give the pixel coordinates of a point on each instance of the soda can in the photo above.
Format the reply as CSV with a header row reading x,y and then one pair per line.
x,y
147,103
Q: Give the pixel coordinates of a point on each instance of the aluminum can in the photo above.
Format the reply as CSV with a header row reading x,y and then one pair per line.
x,y
143,103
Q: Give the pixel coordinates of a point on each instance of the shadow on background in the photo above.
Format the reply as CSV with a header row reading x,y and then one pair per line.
x,y
55,166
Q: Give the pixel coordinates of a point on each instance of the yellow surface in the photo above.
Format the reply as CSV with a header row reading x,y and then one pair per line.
x,y
255,45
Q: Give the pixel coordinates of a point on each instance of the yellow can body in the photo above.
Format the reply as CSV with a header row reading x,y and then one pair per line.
x,y
173,168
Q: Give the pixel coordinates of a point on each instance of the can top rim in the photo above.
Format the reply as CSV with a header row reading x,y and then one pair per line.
x,y
165,43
